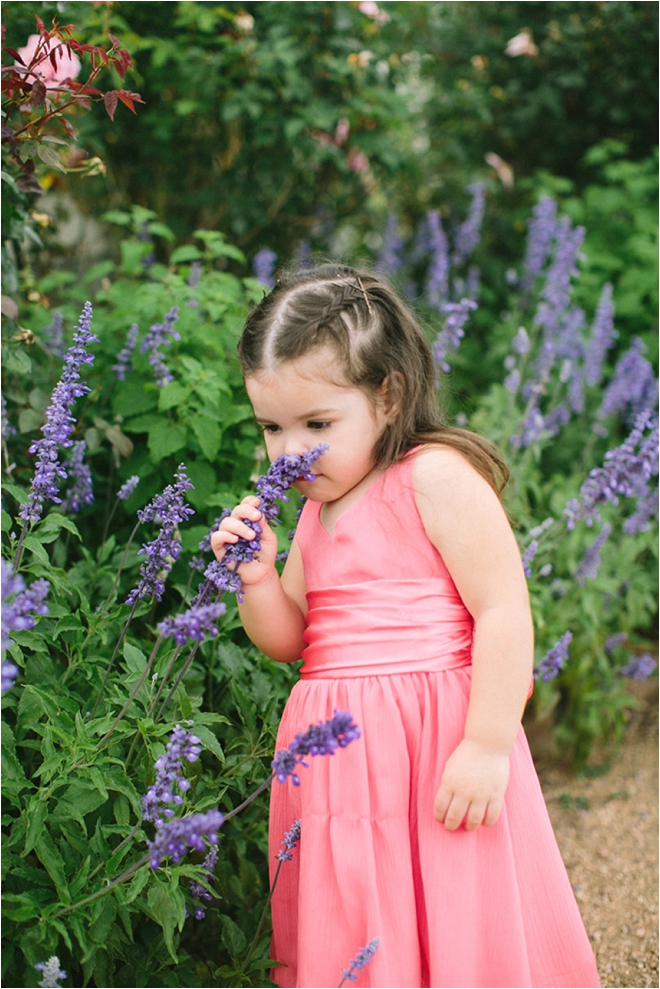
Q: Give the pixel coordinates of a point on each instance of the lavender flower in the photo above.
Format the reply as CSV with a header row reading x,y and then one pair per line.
x,y
127,489
556,292
7,430
468,235
521,342
437,279
390,258
587,568
291,839
640,520
200,892
125,354
321,739
541,232
633,386
53,336
552,662
181,745
614,642
51,972
530,552
263,265
603,335
81,493
639,667
362,958
161,335
625,473
450,337
271,487
194,624
170,509
19,606
59,421
195,274
175,837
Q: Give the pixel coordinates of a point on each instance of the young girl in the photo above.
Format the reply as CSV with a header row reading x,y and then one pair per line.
x,y
404,594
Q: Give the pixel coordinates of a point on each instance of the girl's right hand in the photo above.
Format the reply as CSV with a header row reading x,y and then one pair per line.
x,y
236,526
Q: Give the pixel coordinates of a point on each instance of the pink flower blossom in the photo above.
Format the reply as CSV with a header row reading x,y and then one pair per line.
x,y
370,9
68,64
357,160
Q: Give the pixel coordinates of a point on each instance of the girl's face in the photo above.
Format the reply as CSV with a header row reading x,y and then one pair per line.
x,y
298,405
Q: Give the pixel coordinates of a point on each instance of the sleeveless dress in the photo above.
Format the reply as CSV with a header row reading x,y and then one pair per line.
x,y
389,639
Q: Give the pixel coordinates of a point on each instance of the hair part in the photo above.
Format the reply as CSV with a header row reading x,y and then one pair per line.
x,y
380,349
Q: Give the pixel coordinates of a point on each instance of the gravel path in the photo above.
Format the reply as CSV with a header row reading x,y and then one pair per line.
x,y
607,830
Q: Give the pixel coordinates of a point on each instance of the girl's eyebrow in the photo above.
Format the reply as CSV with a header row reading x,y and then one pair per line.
x,y
313,414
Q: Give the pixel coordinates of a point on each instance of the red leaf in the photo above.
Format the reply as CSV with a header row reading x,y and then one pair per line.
x,y
14,54
110,101
115,42
40,23
129,98
38,94
53,57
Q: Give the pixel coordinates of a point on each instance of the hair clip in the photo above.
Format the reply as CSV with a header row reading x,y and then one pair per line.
x,y
364,293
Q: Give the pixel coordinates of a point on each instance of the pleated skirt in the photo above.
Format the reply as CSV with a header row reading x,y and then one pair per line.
x,y
486,908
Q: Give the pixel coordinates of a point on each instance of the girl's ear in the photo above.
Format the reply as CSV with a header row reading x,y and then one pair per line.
x,y
390,394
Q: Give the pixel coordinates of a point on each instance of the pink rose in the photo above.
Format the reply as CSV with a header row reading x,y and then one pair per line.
x,y
68,64
372,10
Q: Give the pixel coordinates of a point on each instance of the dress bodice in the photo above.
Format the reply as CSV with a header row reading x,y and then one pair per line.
x,y
380,598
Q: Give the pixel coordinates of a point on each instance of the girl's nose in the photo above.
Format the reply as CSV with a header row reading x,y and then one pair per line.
x,y
294,446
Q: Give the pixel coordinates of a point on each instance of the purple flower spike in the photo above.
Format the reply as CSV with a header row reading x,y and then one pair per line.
x,y
177,836
125,354
553,660
390,259
291,839
169,509
193,624
271,487
81,493
181,745
437,282
19,606
321,739
127,489
200,892
59,421
541,232
457,315
587,568
639,667
468,235
161,335
263,265
51,972
362,958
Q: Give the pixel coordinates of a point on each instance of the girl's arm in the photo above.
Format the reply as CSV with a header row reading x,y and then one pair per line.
x,y
273,609
465,521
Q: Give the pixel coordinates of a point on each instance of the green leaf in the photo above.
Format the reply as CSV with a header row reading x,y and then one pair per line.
x,y
173,394
136,660
185,253
70,623
166,438
167,907
209,741
36,548
51,860
233,937
36,811
208,434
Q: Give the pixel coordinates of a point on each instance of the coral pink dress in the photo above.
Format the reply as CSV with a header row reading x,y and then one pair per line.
x,y
389,639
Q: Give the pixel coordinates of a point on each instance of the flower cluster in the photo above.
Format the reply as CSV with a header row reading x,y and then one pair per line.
x,y
81,493
51,972
181,745
552,662
125,354
198,621
53,335
540,235
449,338
175,837
263,265
437,279
362,958
587,568
633,387
626,473
169,509
127,489
161,335
59,421
271,487
639,667
321,739
198,891
390,258
291,839
468,234
19,606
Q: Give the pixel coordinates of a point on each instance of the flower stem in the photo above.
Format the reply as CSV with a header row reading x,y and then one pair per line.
x,y
133,693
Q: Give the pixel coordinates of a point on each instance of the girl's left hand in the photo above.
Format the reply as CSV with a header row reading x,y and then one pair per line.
x,y
472,788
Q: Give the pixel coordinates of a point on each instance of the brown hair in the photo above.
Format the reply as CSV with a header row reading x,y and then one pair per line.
x,y
377,341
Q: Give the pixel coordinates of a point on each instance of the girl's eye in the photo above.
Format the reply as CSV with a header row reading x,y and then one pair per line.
x,y
317,425
271,428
